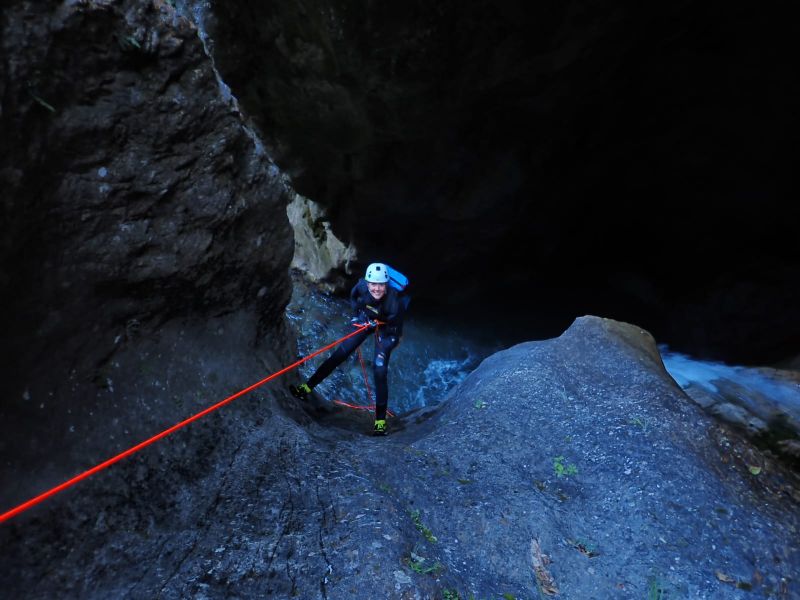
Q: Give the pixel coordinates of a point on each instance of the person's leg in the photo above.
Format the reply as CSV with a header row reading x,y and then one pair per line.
x,y
383,351
339,355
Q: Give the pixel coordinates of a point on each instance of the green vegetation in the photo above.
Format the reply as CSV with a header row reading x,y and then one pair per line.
x,y
419,565
638,422
421,568
561,469
655,589
425,531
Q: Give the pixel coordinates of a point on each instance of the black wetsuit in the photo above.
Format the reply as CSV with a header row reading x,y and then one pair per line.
x,y
388,310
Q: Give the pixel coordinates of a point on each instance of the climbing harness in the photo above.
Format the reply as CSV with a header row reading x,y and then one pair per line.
x,y
114,459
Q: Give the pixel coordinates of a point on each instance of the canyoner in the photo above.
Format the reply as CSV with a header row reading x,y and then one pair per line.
x,y
379,302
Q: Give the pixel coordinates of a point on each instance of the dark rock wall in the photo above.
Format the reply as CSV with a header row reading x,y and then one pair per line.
x,y
132,191
627,160
145,247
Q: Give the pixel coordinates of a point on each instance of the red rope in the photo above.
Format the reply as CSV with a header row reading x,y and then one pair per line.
x,y
370,408
364,373
52,492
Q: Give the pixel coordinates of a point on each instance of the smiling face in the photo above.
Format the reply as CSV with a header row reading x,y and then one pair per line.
x,y
377,290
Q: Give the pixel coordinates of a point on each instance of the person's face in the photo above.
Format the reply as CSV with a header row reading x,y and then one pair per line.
x,y
377,290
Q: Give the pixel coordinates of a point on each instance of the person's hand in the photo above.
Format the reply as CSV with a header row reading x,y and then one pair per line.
x,y
362,319
369,323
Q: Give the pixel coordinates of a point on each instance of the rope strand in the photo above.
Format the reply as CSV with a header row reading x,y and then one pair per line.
x,y
114,459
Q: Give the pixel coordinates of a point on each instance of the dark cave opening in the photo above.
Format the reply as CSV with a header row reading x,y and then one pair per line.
x,y
549,160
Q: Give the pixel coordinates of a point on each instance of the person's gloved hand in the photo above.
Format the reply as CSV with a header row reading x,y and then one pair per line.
x,y
360,321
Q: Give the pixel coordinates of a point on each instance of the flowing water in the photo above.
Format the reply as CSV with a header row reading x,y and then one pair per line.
x,y
770,395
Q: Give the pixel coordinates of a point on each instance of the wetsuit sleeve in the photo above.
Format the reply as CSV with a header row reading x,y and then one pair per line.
x,y
394,316
355,300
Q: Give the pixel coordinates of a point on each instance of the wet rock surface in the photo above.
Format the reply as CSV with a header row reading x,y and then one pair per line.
x,y
575,463
584,443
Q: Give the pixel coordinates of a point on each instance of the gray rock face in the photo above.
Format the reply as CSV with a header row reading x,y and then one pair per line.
x,y
133,190
584,444
573,464
318,254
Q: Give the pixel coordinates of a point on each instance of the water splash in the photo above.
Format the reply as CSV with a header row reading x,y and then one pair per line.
x,y
440,376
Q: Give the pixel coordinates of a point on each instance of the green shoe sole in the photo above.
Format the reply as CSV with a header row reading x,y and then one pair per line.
x,y
298,392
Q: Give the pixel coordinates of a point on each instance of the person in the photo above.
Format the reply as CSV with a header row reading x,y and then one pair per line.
x,y
375,302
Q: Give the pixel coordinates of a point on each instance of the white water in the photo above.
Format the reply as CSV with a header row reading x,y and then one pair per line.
x,y
764,392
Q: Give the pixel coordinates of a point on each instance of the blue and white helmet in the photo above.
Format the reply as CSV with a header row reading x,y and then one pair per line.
x,y
377,273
